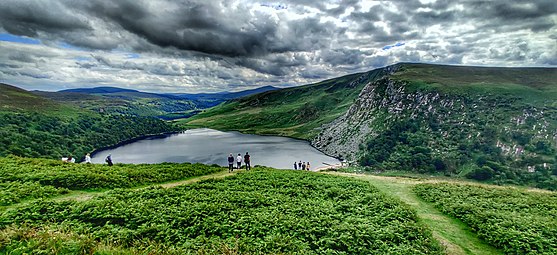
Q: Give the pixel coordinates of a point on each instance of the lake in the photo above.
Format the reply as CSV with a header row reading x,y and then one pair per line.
x,y
210,146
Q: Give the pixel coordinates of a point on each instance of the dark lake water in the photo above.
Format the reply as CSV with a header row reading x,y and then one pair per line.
x,y
210,146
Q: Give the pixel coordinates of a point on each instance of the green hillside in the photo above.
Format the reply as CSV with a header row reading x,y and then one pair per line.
x,y
296,112
131,103
486,123
33,126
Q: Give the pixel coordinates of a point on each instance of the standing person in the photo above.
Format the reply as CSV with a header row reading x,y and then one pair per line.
x,y
295,165
300,165
108,159
247,161
304,166
307,166
230,163
88,158
239,160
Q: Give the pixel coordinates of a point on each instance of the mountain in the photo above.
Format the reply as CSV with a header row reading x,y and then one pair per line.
x,y
207,100
124,102
486,123
99,90
128,101
35,126
14,98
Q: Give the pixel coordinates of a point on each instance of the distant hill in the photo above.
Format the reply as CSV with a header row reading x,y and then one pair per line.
x,y
12,97
32,125
486,123
98,90
124,101
128,101
207,100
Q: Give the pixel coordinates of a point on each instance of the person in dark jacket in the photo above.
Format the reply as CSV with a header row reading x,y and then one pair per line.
x,y
108,159
230,163
247,161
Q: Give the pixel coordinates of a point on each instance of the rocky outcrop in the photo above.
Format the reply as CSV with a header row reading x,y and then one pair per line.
x,y
439,113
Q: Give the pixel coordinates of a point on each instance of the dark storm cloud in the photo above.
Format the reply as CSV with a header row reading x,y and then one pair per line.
x,y
33,16
215,43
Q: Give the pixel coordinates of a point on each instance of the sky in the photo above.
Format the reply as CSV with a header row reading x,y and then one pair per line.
x,y
192,46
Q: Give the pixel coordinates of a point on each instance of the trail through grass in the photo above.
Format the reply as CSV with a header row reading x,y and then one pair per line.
x,y
80,195
456,236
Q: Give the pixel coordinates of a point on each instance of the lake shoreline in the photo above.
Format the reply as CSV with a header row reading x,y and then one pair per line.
x,y
211,146
135,139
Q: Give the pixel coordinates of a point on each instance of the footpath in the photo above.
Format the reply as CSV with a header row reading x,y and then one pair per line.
x,y
79,195
452,233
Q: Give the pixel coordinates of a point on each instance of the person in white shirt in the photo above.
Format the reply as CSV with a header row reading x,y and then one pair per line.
x,y
88,158
239,160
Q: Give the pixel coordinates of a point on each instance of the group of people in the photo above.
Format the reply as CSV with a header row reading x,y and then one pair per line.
x,y
71,159
239,159
301,166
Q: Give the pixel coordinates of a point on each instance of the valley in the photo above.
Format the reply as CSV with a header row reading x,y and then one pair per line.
x,y
449,132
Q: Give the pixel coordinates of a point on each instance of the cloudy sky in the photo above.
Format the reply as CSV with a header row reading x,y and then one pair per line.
x,y
231,45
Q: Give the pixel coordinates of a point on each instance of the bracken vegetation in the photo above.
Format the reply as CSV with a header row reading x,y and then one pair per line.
x,y
263,211
24,178
519,222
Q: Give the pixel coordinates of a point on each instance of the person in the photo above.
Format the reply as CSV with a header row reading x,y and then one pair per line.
x,y
230,163
300,165
295,165
88,158
304,166
239,160
108,159
69,159
307,166
247,161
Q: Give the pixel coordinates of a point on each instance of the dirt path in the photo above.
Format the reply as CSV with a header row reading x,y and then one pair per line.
x,y
456,236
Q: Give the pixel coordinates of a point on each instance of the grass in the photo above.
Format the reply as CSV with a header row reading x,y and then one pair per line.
x,y
456,236
261,211
294,112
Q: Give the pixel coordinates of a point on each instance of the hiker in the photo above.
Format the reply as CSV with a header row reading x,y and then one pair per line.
x,y
88,158
247,161
307,166
304,166
108,159
70,159
300,165
239,160
295,165
230,163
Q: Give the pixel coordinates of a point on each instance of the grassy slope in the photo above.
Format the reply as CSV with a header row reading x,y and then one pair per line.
x,y
299,112
456,236
534,86
15,99
34,126
263,211
296,112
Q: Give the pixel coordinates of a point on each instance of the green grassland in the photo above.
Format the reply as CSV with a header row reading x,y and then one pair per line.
x,y
26,178
295,112
532,86
516,221
257,212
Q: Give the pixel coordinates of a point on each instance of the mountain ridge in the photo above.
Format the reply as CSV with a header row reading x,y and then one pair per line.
x,y
485,123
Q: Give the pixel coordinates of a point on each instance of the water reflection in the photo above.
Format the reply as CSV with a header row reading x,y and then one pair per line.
x,y
210,146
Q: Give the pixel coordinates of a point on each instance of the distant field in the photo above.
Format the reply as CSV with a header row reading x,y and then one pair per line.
x,y
259,212
518,222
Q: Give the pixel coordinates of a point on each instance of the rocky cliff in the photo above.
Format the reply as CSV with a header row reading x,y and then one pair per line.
x,y
472,123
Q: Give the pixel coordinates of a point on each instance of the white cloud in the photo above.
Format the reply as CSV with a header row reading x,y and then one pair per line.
x,y
217,45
